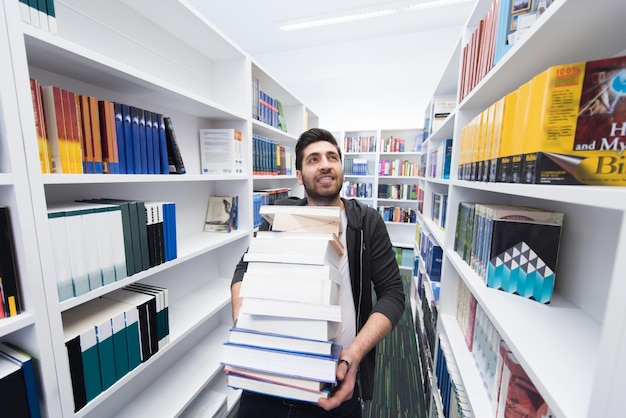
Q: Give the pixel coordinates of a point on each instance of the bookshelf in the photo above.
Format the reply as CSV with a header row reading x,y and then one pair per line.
x,y
170,60
569,348
298,118
366,153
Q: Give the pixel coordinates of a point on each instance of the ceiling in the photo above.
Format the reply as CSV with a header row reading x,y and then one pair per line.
x,y
253,24
332,64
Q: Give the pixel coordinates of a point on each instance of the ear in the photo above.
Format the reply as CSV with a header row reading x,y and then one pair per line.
x,y
299,177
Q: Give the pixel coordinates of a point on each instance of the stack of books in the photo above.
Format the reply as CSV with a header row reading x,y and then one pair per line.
x,y
282,342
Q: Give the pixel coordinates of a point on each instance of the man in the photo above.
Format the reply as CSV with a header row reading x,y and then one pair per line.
x,y
369,260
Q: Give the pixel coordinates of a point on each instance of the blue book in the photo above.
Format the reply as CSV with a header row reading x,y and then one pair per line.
x,y
119,132
156,154
136,153
128,139
143,141
285,363
149,142
502,31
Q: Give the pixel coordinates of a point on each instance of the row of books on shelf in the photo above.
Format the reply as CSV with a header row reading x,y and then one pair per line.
x,y
440,160
428,305
398,214
430,255
221,151
397,167
506,21
565,126
19,393
108,337
266,197
511,248
282,343
437,111
357,166
40,14
398,191
271,158
266,108
393,144
366,143
100,241
81,134
508,387
421,316
358,189
452,401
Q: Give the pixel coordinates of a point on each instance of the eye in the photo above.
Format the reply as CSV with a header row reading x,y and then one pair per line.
x,y
333,157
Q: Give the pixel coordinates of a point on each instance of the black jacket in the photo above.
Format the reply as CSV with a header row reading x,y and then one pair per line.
x,y
372,261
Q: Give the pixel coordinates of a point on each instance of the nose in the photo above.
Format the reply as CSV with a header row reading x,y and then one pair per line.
x,y
325,162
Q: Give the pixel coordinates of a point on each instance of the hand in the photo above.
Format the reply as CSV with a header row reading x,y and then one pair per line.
x,y
346,378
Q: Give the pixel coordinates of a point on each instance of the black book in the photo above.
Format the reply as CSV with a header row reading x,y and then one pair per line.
x,y
76,372
11,298
173,152
13,397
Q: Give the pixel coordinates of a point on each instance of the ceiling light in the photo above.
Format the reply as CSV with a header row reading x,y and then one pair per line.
x,y
352,17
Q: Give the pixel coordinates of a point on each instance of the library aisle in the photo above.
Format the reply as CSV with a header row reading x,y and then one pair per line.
x,y
398,389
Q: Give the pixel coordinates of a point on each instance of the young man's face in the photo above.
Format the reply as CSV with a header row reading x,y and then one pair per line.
x,y
321,174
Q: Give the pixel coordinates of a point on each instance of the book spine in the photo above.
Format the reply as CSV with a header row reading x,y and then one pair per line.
x,y
176,165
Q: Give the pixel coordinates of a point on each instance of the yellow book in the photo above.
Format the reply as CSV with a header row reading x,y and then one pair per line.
x,y
55,127
497,122
582,128
506,136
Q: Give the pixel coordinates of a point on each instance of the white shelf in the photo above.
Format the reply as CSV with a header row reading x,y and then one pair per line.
x,y
552,327
470,378
568,348
171,60
182,382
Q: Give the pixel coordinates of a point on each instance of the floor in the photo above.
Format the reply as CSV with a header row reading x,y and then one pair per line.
x,y
398,389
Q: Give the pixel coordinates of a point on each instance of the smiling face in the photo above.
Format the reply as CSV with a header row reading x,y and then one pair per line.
x,y
321,174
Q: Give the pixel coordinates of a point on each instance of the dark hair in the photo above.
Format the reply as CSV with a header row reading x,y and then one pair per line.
x,y
309,137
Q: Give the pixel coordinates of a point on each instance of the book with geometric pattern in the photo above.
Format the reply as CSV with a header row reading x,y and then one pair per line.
x,y
523,258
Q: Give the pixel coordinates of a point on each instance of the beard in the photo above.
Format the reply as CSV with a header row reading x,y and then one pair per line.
x,y
322,194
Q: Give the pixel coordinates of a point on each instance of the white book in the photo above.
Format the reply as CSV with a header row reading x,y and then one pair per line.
x,y
290,288
282,308
221,151
325,219
117,240
297,382
327,271
60,253
77,250
274,389
313,329
243,336
292,248
306,366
